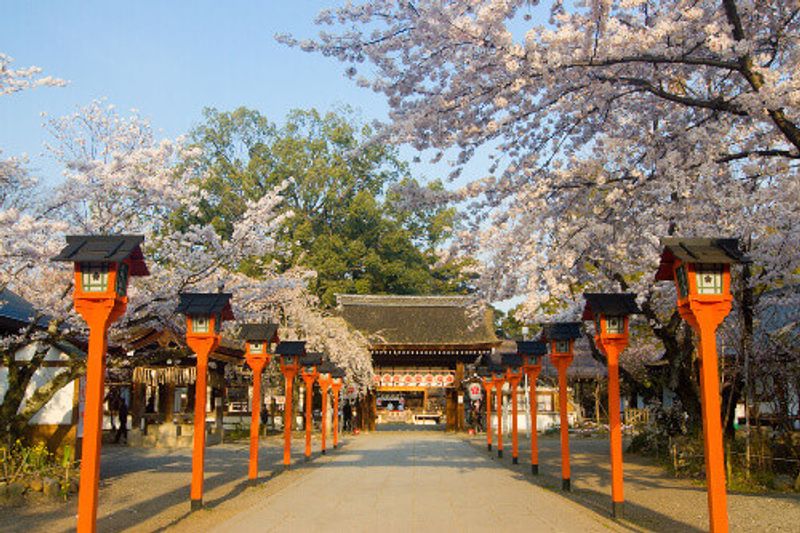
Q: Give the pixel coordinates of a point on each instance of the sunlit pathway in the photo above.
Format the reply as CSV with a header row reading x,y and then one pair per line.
x,y
413,481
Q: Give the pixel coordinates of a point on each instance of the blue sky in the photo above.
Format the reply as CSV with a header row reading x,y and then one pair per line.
x,y
168,60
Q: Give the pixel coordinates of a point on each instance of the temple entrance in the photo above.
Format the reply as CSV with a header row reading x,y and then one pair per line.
x,y
421,347
410,405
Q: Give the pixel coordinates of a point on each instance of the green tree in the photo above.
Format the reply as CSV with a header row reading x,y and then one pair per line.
x,y
345,224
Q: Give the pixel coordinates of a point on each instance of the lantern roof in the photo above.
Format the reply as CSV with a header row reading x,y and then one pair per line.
x,y
202,304
561,331
311,359
331,368
697,250
495,362
105,249
609,304
531,348
483,372
511,360
291,348
259,332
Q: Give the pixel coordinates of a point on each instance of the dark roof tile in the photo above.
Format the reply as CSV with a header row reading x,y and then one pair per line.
x,y
697,250
417,320
194,304
531,348
259,332
559,331
291,348
18,310
105,248
311,359
609,304
513,360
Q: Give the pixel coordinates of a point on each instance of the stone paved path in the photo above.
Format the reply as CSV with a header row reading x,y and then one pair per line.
x,y
413,481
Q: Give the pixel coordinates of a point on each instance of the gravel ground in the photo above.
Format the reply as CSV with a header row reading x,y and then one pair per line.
x,y
148,489
654,500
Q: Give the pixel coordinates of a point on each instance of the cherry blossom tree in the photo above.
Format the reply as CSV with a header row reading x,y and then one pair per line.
x,y
610,124
15,80
119,179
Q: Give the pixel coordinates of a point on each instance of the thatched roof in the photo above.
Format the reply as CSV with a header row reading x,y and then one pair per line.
x,y
410,322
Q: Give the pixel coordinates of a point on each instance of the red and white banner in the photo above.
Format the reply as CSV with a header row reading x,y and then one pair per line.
x,y
414,379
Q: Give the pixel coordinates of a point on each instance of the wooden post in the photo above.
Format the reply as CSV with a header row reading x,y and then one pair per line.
x,y
461,422
336,387
289,372
562,363
324,386
499,401
309,378
202,346
705,315
612,345
533,374
513,380
99,315
257,366
488,384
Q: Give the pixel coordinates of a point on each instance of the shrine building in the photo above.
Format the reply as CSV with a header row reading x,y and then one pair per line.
x,y
421,347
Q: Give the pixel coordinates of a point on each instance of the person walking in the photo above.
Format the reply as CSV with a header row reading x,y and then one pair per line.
x,y
348,416
122,430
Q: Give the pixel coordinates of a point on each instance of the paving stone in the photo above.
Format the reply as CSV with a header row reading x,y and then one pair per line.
x,y
414,481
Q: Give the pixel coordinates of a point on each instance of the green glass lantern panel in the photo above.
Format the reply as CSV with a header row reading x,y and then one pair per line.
x,y
562,346
217,323
122,279
94,277
683,281
615,324
201,324
709,279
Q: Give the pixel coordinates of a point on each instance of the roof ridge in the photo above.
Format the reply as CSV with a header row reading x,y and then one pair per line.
x,y
392,300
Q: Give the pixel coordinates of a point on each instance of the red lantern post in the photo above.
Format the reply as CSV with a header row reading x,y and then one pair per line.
x,y
513,364
204,316
103,265
325,381
498,380
610,315
531,352
336,387
289,353
258,338
561,337
700,269
488,385
308,371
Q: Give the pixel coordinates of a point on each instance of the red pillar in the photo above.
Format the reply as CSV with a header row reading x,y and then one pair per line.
x,y
532,372
513,380
487,387
498,383
562,363
612,349
202,346
324,386
705,318
289,373
255,419
336,387
308,379
99,314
